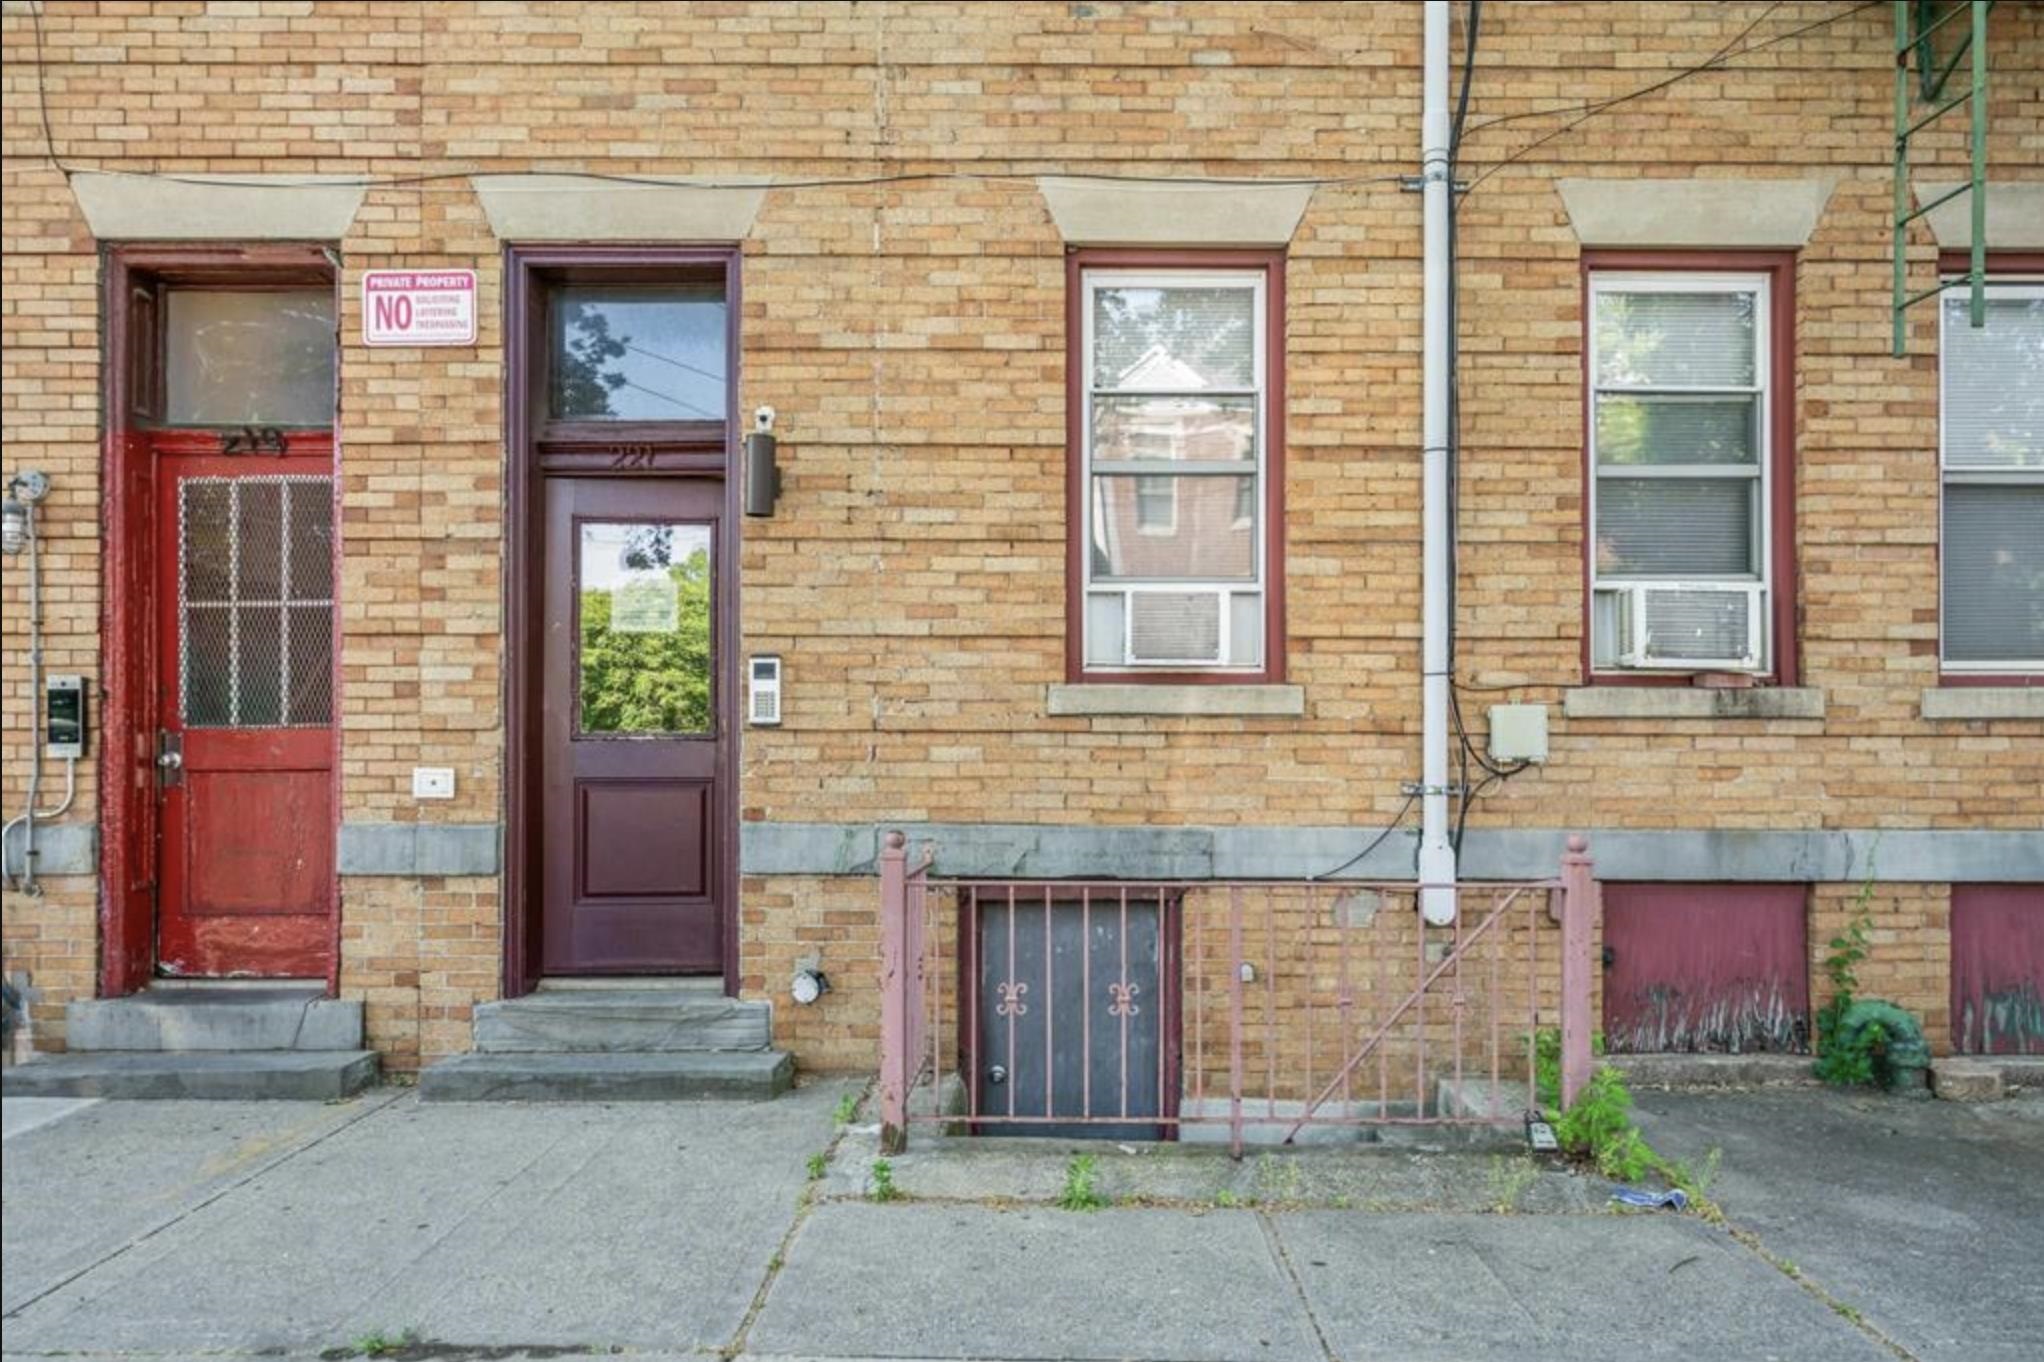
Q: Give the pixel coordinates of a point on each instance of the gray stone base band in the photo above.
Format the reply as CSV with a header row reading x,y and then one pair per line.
x,y
1194,853
1020,850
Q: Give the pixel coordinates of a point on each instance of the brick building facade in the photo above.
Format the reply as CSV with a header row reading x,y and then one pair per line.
x,y
909,195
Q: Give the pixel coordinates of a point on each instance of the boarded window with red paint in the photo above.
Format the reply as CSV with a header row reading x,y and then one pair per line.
x,y
1712,968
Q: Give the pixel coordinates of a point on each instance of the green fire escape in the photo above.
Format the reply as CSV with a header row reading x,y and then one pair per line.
x,y
1929,49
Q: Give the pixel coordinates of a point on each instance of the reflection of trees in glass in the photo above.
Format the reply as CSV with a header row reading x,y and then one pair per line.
x,y
650,682
1208,330
582,387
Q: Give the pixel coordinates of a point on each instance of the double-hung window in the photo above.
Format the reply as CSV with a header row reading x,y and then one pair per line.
x,y
1681,379
1992,451
1173,472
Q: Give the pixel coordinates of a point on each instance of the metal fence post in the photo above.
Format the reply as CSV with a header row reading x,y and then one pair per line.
x,y
1578,910
895,1060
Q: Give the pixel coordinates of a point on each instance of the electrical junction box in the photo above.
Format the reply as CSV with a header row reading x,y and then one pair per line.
x,y
432,782
1518,732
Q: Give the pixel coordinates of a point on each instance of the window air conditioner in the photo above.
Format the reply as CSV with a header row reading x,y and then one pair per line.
x,y
1178,626
1691,626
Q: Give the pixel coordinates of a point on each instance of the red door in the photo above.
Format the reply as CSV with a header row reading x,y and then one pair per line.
x,y
1705,967
245,621
1998,969
632,730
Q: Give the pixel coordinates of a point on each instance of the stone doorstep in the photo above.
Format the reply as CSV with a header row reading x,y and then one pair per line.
x,y
283,1075
750,1075
642,1021
217,1019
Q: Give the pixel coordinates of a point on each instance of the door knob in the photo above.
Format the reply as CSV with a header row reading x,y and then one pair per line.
x,y
170,761
997,1074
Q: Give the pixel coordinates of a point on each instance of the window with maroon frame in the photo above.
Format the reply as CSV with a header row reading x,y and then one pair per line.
x,y
1176,390
1689,469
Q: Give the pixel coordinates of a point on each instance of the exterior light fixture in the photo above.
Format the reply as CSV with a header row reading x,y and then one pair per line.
x,y
17,514
810,983
762,473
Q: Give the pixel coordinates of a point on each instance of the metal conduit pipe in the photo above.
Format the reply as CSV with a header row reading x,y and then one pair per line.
x,y
1436,850
24,490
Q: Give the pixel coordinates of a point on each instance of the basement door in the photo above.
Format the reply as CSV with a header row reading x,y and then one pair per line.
x,y
1705,967
1998,969
1074,1012
634,728
245,620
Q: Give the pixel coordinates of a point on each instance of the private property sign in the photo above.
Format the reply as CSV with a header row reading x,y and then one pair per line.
x,y
419,307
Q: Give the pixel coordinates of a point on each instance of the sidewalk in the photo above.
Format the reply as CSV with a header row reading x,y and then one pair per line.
x,y
164,1230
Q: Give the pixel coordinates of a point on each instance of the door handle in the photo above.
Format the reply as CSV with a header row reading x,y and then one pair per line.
x,y
1610,957
170,758
997,1074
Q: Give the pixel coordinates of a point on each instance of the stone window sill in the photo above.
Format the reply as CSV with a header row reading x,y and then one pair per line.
x,y
1692,702
1280,702
1984,702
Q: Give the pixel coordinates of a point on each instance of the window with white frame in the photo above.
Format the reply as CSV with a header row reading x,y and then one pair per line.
x,y
1680,472
1992,452
1173,448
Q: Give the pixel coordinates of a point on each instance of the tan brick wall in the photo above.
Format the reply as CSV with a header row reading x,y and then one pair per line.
x,y
911,336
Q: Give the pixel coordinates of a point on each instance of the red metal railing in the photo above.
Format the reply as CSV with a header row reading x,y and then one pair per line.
x,y
1218,1008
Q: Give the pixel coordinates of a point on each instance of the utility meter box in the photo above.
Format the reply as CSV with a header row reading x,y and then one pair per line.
x,y
1518,732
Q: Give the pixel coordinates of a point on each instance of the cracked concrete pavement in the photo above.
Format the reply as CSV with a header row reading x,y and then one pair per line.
x,y
159,1230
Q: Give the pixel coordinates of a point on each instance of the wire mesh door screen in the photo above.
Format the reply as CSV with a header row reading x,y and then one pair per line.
x,y
255,602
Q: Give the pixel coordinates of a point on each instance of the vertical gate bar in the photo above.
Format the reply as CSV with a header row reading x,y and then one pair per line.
x,y
1312,977
1235,1021
1345,1003
973,1016
1383,991
1199,1013
1157,1003
1496,1001
1013,1001
283,596
1086,1002
234,595
1269,1005
1533,1002
1461,1001
894,1022
1419,983
933,984
1049,1011
1121,1013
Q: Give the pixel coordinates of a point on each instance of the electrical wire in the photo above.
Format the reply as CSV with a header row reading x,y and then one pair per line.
x,y
1375,842
1718,60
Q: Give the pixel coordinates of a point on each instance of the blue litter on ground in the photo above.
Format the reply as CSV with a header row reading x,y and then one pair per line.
x,y
1674,1198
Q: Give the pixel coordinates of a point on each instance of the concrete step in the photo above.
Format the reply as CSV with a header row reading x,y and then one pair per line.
x,y
290,1075
1474,1098
633,1077
619,1021
223,1017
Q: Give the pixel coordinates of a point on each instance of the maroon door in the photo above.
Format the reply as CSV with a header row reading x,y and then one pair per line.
x,y
632,732
1998,969
1705,967
245,621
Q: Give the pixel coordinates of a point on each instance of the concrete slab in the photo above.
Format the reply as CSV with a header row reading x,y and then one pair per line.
x,y
646,1227
637,1077
1923,1215
558,1226
1714,1071
912,1280
19,1115
1365,1178
203,1075
1622,1287
81,1191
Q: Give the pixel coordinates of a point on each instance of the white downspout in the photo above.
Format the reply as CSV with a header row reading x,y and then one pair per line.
x,y
1436,853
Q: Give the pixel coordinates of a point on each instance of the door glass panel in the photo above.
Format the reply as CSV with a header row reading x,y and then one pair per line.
x,y
644,661
255,610
638,353
250,358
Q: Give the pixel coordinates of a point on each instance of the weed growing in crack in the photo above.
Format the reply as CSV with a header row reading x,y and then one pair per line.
x,y
1080,1193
